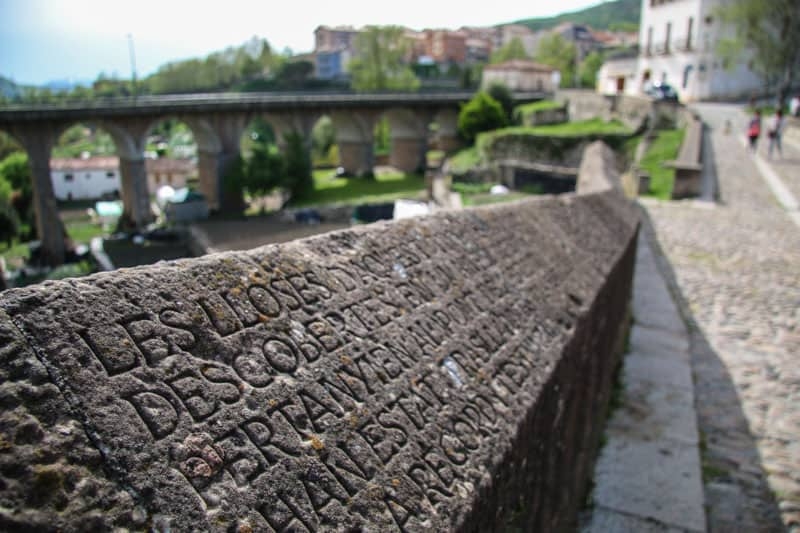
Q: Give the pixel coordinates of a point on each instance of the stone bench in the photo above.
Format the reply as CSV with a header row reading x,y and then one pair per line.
x,y
689,164
450,372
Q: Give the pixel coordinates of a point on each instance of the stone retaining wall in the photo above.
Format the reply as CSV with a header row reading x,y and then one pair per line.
x,y
633,111
521,145
443,373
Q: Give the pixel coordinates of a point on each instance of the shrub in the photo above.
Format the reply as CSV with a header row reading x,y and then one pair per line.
x,y
482,113
502,94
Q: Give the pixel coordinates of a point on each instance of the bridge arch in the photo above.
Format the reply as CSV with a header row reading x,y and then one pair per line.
x,y
446,135
355,138
77,174
223,118
408,137
37,141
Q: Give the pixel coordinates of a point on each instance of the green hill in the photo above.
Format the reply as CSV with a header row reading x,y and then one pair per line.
x,y
617,14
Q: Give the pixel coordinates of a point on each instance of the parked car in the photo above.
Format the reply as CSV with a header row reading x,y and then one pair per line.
x,y
662,91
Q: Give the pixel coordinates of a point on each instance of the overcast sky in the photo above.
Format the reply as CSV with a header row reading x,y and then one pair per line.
x,y
45,40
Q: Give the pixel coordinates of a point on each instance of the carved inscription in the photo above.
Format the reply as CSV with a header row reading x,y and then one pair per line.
x,y
364,382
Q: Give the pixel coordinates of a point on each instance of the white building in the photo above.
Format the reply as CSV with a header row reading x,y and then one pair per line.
x,y
85,178
520,75
617,75
677,41
95,177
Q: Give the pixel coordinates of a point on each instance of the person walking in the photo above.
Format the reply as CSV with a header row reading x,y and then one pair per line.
x,y
754,130
774,132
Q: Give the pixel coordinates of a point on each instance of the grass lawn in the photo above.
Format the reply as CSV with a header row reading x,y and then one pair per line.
x,y
541,105
464,159
81,230
386,187
478,193
434,157
524,110
664,148
595,126
630,146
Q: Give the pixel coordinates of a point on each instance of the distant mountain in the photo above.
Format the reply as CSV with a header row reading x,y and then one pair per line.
x,y
617,14
66,85
8,88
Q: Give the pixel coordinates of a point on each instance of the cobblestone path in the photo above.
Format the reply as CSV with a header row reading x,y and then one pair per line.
x,y
736,265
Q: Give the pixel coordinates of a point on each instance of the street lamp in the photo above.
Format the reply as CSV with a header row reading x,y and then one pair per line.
x,y
133,63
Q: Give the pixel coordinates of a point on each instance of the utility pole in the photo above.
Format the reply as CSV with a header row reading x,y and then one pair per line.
x,y
133,63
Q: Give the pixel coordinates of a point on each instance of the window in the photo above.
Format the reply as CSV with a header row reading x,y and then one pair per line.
x,y
689,34
110,175
669,34
69,178
648,49
88,176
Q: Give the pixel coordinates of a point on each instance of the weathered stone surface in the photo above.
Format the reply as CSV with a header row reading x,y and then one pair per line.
x,y
51,475
667,491
442,373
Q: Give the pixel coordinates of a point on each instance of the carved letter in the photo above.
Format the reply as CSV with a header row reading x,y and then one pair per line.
x,y
156,412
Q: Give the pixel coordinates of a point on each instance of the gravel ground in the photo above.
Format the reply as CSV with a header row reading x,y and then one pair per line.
x,y
736,267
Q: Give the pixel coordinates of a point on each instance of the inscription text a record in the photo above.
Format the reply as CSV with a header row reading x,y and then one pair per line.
x,y
361,378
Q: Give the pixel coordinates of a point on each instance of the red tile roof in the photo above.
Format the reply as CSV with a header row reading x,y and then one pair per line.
x,y
521,65
107,163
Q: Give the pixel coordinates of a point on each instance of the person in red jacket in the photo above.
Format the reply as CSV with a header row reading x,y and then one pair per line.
x,y
754,130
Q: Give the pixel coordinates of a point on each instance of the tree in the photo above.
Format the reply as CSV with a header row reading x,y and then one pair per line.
x,y
293,74
8,145
382,136
323,137
9,219
771,31
502,94
265,170
513,50
482,113
298,166
560,54
16,172
379,61
589,68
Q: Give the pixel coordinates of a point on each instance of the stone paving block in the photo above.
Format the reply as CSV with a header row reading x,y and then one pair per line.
x,y
654,308
608,521
658,369
653,410
657,479
659,342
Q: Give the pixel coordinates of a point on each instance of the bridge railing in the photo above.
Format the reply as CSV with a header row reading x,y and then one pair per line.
x,y
272,100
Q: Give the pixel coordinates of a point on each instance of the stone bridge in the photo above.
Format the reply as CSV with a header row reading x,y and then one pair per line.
x,y
217,122
443,373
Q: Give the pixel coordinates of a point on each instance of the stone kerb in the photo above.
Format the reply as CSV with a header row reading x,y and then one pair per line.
x,y
433,374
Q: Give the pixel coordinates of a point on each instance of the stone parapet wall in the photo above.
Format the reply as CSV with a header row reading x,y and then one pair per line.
x,y
449,372
633,111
